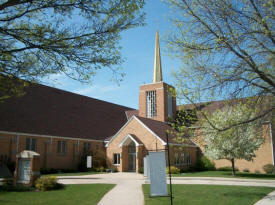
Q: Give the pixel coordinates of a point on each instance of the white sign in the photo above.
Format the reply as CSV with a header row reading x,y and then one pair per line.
x,y
89,161
157,166
145,166
24,170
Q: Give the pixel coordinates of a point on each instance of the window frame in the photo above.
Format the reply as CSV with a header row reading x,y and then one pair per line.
x,y
32,142
85,150
151,103
63,147
116,159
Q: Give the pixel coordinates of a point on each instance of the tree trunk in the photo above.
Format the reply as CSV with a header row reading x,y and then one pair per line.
x,y
233,166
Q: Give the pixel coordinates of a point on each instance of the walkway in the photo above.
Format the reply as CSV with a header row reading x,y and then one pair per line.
x,y
128,189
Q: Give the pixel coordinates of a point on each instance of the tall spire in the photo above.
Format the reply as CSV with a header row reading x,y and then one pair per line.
x,y
157,62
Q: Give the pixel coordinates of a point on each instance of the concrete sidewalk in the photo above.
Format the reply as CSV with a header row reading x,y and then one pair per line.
x,y
268,200
128,188
223,181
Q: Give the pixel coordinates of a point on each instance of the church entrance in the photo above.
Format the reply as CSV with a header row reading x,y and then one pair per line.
x,y
132,157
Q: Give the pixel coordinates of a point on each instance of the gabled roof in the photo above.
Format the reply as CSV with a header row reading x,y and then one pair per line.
x,y
131,137
160,128
157,128
49,111
130,113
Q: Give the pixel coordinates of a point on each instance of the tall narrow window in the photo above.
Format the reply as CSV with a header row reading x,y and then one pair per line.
x,y
170,104
151,105
31,144
116,159
61,147
87,147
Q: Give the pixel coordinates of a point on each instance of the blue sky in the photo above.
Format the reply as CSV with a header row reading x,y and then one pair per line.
x,y
138,52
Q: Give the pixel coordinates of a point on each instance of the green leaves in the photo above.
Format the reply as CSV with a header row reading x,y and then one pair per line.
x,y
65,36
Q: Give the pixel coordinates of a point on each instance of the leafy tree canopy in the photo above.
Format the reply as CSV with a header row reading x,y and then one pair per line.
x,y
74,37
227,48
239,142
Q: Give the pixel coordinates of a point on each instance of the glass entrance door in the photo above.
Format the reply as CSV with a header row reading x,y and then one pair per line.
x,y
132,162
132,157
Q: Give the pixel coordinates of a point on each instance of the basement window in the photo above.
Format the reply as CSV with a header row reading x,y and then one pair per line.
x,y
116,159
151,105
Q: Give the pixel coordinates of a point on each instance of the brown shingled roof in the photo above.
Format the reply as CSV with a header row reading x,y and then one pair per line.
x,y
160,128
130,113
49,111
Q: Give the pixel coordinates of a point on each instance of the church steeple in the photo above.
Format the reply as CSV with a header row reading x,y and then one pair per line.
x,y
157,62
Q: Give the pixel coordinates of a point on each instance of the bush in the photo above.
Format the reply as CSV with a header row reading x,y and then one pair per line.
x,y
257,171
46,183
99,169
204,164
269,168
173,169
227,169
245,170
140,170
48,171
114,169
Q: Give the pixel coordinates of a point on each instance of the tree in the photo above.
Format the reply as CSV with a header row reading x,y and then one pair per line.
x,y
74,37
239,142
227,48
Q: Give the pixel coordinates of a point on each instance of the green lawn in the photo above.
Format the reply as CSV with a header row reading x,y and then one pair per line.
x,y
226,174
74,173
72,194
208,195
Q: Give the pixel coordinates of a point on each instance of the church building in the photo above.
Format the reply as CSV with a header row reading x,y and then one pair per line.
x,y
64,127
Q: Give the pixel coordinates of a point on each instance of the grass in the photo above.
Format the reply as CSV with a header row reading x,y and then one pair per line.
x,y
70,195
208,195
226,174
74,173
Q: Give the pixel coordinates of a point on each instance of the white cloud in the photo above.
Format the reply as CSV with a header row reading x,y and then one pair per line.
x,y
96,90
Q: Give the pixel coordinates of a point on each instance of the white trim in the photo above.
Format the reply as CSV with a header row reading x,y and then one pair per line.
x,y
152,83
163,143
272,145
36,135
134,117
131,137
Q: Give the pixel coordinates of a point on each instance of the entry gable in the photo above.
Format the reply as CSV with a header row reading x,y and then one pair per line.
x,y
130,138
139,121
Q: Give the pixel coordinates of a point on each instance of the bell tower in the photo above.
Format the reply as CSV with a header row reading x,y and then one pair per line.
x,y
155,99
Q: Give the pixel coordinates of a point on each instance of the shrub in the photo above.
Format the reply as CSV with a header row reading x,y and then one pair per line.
x,y
114,169
173,169
100,169
269,168
245,170
227,169
46,183
48,171
257,171
140,170
204,164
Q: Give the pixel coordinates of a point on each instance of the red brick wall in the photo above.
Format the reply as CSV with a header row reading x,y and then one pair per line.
x,y
161,100
47,148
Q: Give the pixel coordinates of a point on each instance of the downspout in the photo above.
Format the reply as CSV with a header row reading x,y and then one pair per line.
x,y
17,143
272,145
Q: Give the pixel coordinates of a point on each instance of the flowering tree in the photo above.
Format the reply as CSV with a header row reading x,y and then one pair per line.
x,y
239,142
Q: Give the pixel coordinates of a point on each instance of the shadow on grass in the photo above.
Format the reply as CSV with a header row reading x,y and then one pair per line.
x,y
22,188
250,175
